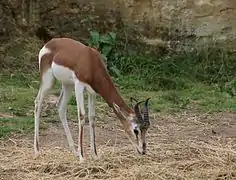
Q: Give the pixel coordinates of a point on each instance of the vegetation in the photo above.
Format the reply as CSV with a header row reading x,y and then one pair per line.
x,y
15,125
200,79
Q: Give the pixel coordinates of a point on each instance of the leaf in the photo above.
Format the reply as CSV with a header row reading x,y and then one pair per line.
x,y
106,49
106,39
104,59
113,36
95,38
115,70
90,43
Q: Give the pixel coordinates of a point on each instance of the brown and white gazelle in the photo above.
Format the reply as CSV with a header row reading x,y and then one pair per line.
x,y
80,67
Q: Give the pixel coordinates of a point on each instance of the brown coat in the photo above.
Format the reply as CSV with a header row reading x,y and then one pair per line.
x,y
88,66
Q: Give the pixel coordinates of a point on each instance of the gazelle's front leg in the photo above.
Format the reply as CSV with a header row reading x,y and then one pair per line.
x,y
79,88
91,117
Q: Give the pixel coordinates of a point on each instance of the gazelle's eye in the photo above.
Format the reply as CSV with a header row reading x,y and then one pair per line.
x,y
136,132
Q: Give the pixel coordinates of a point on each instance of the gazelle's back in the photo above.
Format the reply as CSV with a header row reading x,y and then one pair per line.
x,y
65,55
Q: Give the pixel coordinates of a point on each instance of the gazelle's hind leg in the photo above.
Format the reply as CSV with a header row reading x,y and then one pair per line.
x,y
60,97
46,84
62,108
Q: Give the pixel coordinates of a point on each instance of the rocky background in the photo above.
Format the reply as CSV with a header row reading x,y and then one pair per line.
x,y
155,22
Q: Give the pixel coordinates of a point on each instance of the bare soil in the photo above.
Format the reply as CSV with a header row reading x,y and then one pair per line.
x,y
180,146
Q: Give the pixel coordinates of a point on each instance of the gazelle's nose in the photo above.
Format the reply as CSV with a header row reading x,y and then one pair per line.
x,y
140,152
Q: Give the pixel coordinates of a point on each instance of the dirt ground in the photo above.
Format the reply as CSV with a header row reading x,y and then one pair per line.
x,y
180,146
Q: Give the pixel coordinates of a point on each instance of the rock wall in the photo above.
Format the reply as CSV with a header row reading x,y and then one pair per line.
x,y
183,18
152,21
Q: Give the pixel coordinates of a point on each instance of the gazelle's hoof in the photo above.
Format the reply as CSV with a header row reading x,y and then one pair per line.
x,y
79,155
95,157
36,154
81,159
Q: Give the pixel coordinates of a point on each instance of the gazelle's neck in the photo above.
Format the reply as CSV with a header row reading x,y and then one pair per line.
x,y
106,88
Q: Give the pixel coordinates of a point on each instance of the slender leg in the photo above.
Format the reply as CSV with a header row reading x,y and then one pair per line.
x,y
91,117
59,98
46,84
81,126
62,109
79,88
38,106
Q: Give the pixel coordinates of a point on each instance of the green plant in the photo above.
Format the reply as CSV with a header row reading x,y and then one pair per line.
x,y
209,64
104,43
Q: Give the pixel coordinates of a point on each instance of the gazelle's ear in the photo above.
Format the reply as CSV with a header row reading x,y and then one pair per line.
x,y
133,101
116,107
118,111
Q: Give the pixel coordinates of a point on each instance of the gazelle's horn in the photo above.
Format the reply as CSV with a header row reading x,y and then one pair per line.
x,y
133,101
145,112
137,112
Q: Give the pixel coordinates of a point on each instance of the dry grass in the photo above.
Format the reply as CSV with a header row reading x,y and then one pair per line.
x,y
182,146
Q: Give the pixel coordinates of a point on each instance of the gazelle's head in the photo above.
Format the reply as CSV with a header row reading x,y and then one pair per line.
x,y
136,124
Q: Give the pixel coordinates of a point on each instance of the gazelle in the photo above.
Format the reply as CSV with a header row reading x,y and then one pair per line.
x,y
80,67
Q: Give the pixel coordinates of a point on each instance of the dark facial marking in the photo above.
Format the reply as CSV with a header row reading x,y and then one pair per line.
x,y
136,132
144,146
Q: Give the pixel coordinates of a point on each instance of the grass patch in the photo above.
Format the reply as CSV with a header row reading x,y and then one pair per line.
x,y
17,98
176,71
15,125
199,97
202,79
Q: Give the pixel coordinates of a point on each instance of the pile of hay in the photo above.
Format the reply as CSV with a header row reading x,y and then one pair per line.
x,y
180,147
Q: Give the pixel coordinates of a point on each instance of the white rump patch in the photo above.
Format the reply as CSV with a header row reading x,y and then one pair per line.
x,y
48,79
42,52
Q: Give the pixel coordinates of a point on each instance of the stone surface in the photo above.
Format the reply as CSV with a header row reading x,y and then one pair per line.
x,y
154,21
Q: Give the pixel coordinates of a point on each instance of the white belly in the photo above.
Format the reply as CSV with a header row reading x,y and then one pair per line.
x,y
67,76
63,74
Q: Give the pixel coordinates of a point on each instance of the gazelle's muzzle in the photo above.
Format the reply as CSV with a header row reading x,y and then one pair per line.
x,y
142,150
144,124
